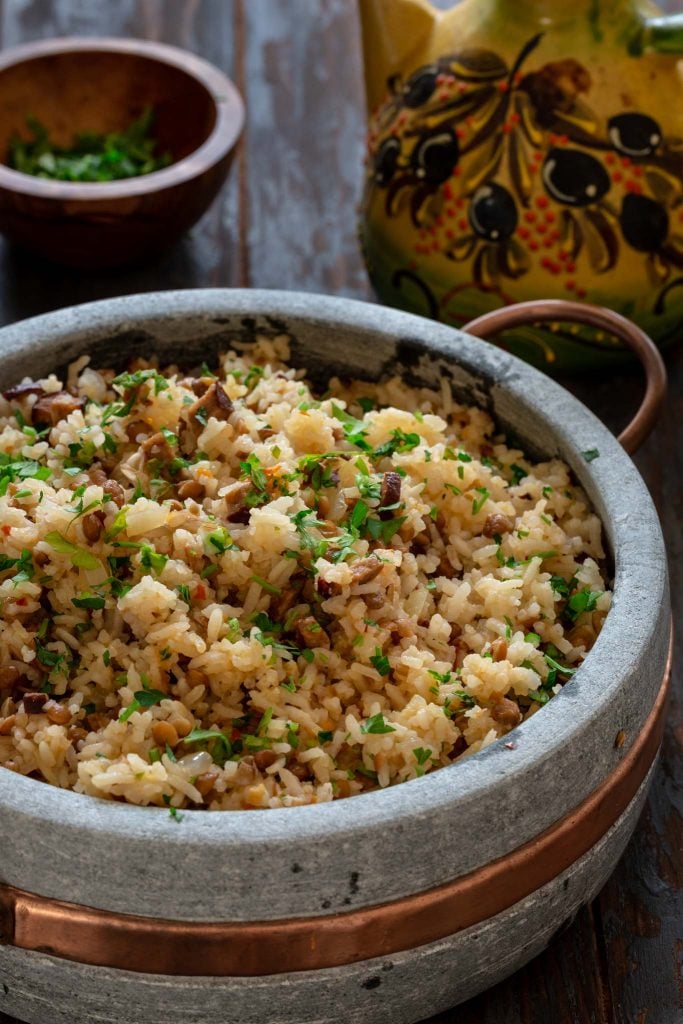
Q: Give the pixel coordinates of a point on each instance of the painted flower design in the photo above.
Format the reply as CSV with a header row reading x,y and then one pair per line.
x,y
504,168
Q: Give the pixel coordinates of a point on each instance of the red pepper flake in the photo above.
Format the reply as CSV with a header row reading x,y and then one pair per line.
x,y
634,186
460,202
507,128
638,171
442,94
450,233
514,118
517,77
542,202
22,601
435,246
469,121
533,245
571,266
462,224
550,217
542,228
456,171
553,138
570,285
581,293
523,232
610,159
200,592
617,176
625,161
530,216
7,530
461,133
549,242
503,87
450,211
447,191
462,87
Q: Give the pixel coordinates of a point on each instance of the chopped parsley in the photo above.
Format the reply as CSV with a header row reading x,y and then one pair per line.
x,y
88,600
221,747
376,725
81,558
380,662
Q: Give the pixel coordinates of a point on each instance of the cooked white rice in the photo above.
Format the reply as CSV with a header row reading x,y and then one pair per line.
x,y
182,557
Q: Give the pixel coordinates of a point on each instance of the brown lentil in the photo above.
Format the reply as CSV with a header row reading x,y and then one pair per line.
x,y
497,523
264,759
190,489
164,733
506,712
57,713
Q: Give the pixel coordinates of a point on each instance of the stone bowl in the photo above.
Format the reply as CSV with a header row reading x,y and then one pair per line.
x,y
103,85
395,904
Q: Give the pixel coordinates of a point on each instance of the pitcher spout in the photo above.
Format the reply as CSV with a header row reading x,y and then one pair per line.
x,y
393,30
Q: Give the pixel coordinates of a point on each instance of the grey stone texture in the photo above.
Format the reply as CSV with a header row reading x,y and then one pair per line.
x,y
382,845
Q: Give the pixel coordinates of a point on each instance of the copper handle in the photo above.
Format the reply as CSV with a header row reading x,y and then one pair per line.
x,y
523,313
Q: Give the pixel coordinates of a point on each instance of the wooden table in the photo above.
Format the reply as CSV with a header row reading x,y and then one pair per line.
x,y
286,219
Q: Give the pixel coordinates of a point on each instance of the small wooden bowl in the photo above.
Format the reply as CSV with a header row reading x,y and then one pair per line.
x,y
74,85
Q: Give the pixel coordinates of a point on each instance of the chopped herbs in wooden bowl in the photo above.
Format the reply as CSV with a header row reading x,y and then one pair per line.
x,y
92,156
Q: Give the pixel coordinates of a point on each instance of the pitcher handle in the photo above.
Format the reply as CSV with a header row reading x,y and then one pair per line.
x,y
525,313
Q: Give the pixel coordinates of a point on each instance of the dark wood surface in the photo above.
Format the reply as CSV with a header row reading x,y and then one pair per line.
x,y
286,219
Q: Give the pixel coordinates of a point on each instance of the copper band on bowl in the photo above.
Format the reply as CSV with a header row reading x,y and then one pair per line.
x,y
248,949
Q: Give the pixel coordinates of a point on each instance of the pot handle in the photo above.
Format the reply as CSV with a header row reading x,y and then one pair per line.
x,y
544,310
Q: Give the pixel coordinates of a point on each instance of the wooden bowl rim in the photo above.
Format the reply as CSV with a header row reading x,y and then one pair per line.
x,y
227,102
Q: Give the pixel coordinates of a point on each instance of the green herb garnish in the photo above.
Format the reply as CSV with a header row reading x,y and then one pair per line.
x,y
92,156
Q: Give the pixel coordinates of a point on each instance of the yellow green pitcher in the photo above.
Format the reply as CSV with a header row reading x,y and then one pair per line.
x,y
524,149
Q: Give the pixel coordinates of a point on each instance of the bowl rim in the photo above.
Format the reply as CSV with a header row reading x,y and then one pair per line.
x,y
634,639
228,104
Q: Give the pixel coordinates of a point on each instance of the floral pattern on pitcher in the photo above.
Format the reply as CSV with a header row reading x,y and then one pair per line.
x,y
504,168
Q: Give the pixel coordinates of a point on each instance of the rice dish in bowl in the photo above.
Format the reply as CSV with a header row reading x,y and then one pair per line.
x,y
230,592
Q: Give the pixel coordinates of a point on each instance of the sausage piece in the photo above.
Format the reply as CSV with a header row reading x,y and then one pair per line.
x,y
214,402
311,633
390,493
365,569
50,409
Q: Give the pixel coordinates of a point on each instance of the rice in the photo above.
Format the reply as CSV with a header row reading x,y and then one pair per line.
x,y
226,592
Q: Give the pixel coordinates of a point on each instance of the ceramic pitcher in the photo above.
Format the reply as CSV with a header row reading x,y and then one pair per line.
x,y
525,149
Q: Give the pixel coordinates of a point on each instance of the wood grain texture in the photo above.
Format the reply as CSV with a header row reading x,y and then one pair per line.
x,y
209,255
287,219
304,145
